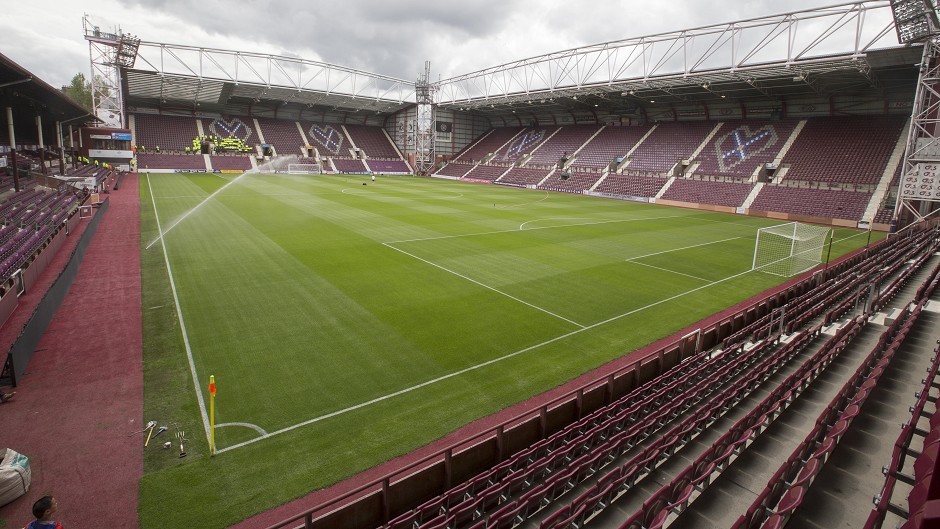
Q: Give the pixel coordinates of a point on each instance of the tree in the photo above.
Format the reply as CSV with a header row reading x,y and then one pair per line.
x,y
79,90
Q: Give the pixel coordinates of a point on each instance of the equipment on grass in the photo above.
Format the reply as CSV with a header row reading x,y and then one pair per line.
x,y
789,249
167,444
154,423
149,426
181,436
304,168
160,430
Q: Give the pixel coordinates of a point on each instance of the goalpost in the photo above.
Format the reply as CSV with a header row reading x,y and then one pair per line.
x,y
789,249
304,168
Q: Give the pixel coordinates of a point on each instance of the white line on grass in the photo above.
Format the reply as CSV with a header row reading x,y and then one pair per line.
x,y
683,248
179,314
668,270
188,213
254,427
474,281
532,229
474,367
522,226
859,234
543,199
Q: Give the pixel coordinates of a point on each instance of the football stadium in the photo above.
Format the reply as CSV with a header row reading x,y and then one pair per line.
x,y
682,280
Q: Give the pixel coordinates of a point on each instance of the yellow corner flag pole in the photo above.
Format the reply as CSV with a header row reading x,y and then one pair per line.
x,y
211,415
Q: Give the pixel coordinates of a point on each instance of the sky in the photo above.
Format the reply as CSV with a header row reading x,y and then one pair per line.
x,y
389,37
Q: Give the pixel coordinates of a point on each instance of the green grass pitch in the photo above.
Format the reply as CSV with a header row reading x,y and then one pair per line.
x,y
348,324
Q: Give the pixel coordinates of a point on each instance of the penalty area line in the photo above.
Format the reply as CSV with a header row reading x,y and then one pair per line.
x,y
179,314
474,281
474,367
683,248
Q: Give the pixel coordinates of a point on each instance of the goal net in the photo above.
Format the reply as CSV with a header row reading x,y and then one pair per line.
x,y
789,249
304,168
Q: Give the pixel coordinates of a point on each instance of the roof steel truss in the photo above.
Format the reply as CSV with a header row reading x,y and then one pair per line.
x,y
270,71
789,40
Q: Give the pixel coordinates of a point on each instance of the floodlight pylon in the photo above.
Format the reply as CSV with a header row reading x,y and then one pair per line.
x,y
425,91
108,53
918,192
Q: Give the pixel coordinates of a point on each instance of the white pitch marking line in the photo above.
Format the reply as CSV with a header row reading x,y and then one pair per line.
x,y
532,229
543,199
474,367
474,281
179,314
683,248
254,427
670,271
188,213
522,226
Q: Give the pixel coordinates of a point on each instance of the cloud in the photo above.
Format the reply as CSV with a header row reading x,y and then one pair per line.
x,y
379,36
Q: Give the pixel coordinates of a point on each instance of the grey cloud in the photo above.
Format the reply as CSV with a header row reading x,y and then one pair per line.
x,y
391,38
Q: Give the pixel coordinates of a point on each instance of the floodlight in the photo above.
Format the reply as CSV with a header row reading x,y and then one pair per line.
x,y
914,20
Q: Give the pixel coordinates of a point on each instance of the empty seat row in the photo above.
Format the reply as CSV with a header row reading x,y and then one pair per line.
x,y
788,487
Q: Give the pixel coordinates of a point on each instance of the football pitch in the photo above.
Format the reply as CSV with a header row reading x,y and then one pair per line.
x,y
347,324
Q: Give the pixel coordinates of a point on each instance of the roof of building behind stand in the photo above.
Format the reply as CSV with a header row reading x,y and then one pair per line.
x,y
20,88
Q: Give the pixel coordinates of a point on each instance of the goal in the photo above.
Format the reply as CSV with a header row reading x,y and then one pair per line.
x,y
304,168
789,249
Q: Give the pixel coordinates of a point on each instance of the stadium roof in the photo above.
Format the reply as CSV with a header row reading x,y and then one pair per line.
x,y
842,49
213,79
21,89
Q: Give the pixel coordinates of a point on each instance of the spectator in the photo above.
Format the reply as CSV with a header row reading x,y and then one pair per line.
x,y
43,510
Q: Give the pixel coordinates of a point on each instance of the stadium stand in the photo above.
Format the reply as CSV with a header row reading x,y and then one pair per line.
x,y
563,143
490,142
707,192
829,203
455,169
30,218
349,166
609,145
523,176
575,182
739,148
388,166
282,135
192,162
486,172
230,163
523,144
159,133
853,150
329,140
667,145
631,186
372,141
